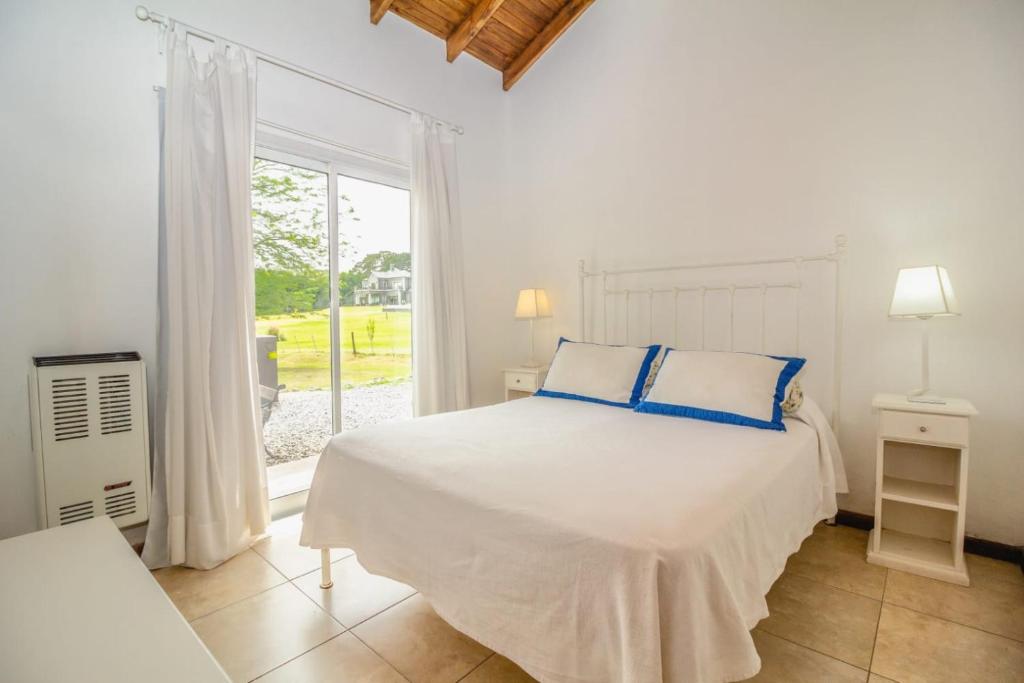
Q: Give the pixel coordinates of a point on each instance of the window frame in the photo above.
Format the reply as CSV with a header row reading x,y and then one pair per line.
x,y
323,156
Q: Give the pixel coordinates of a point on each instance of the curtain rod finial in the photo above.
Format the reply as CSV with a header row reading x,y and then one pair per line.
x,y
142,13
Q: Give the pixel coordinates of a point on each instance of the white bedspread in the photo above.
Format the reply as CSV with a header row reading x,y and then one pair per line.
x,y
584,542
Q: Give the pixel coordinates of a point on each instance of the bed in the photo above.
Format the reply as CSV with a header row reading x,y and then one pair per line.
x,y
585,542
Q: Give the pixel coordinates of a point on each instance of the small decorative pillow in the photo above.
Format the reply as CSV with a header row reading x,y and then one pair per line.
x,y
794,397
612,375
736,388
655,364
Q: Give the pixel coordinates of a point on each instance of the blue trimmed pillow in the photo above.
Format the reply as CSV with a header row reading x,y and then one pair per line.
x,y
612,375
720,386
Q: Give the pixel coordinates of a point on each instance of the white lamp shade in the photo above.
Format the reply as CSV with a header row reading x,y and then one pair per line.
x,y
923,292
532,303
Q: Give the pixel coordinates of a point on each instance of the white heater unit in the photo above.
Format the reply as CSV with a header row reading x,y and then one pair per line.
x,y
90,436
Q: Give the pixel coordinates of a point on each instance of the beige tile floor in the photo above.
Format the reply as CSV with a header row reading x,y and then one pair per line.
x,y
833,618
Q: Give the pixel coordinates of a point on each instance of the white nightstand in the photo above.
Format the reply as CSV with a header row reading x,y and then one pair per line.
x,y
522,382
921,487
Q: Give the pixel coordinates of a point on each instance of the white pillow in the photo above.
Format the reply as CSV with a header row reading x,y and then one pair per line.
x,y
720,386
613,375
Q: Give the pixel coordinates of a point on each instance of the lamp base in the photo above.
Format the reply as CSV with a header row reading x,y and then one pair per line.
x,y
924,394
532,364
914,397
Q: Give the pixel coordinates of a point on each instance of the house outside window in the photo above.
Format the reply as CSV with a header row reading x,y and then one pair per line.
x,y
386,288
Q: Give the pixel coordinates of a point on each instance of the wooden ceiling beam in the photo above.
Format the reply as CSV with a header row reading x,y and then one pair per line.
x,y
378,8
470,26
558,25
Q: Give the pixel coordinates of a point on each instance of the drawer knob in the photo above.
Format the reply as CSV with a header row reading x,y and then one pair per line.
x,y
923,429
518,381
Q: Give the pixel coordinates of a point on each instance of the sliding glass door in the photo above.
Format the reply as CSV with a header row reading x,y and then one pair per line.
x,y
376,283
333,308
291,248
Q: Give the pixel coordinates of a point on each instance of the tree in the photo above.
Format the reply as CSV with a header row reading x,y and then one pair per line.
x,y
371,330
290,241
282,291
288,209
287,217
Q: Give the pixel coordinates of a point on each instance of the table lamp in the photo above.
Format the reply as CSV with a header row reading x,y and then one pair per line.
x,y
923,293
532,304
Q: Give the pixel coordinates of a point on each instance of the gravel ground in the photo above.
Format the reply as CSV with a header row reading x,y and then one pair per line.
x,y
301,424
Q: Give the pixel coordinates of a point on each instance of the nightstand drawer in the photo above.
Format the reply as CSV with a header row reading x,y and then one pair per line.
x,y
521,381
923,428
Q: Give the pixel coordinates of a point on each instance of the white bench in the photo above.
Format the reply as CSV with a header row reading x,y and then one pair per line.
x,y
79,605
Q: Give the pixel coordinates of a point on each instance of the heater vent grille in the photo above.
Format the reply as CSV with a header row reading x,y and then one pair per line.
x,y
76,512
120,504
115,394
70,408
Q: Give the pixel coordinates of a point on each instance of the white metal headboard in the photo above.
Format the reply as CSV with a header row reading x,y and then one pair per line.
x,y
642,287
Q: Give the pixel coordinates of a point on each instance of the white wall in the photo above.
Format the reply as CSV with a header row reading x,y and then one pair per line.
x,y
704,128
78,181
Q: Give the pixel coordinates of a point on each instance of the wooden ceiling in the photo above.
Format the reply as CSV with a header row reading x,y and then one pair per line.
x,y
509,35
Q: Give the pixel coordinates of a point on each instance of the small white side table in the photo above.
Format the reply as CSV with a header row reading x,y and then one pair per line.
x,y
522,381
921,487
79,605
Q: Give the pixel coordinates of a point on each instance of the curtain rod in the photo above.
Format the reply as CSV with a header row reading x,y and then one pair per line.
x,y
142,13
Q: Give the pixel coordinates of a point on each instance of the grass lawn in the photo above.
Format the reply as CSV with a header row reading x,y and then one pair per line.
x,y
304,353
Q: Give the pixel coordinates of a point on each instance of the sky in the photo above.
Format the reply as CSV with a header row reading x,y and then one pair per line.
x,y
380,221
383,223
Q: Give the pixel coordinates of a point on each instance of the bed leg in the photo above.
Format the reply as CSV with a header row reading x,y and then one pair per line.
x,y
325,568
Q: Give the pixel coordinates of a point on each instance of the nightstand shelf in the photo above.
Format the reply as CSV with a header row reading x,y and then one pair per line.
x,y
921,487
916,550
941,496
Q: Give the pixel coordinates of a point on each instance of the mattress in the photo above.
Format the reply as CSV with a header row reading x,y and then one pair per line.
x,y
584,542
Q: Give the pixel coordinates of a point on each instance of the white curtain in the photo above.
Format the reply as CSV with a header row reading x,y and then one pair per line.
x,y
209,492
439,364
